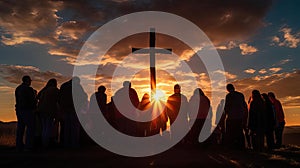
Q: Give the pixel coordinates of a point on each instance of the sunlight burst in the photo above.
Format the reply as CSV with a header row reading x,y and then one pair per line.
x,y
159,96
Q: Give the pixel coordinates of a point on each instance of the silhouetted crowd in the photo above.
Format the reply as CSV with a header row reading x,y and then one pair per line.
x,y
49,116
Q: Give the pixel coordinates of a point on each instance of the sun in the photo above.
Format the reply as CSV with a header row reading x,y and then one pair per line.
x,y
159,96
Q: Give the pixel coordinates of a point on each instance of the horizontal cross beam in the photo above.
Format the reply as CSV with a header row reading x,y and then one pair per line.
x,y
148,50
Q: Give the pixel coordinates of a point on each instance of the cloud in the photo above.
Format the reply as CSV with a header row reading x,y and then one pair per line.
x,y
284,85
14,73
291,100
230,45
284,61
69,52
28,21
65,25
45,22
246,49
276,39
227,21
275,70
288,38
250,71
72,30
6,89
228,75
187,54
262,71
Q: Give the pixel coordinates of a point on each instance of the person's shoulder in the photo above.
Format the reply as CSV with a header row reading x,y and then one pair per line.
x,y
228,95
207,99
19,86
239,93
277,101
171,97
94,94
132,90
66,84
29,88
183,96
63,86
52,88
194,97
174,95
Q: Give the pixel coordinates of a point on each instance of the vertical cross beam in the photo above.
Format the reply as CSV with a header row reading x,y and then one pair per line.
x,y
152,51
152,62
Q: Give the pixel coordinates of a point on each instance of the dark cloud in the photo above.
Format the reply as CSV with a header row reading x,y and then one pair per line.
x,y
65,25
14,74
28,21
220,20
284,85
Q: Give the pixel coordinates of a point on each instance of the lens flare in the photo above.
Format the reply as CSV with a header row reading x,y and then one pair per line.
x,y
159,96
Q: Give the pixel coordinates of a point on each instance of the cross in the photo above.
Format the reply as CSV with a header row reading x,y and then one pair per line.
x,y
152,51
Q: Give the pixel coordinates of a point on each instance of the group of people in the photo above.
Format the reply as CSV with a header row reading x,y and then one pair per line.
x,y
150,117
50,115
47,116
245,125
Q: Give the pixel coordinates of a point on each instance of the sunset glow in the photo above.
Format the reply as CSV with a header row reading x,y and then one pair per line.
x,y
159,96
259,48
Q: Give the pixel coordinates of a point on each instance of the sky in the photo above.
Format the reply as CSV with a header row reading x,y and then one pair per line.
x,y
258,43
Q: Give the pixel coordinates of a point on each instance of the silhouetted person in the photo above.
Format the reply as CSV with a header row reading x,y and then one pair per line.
x,y
200,99
176,103
114,115
257,119
71,122
98,101
101,98
25,107
236,117
126,101
48,109
279,118
270,121
220,121
97,106
145,104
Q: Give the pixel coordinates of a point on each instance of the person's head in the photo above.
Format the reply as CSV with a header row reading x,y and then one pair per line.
x,y
177,88
222,101
101,89
76,80
199,91
271,95
230,87
127,84
26,80
266,97
146,96
256,94
52,82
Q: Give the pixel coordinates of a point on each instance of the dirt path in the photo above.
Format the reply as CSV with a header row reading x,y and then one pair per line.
x,y
176,157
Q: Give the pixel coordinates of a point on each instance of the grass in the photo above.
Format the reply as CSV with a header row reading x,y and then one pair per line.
x,y
7,134
95,156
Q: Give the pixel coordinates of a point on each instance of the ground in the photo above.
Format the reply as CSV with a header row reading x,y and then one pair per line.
x,y
182,156
179,156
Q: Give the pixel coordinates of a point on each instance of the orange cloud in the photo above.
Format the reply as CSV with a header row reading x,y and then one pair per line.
x,y
250,71
229,46
283,84
275,70
262,71
247,50
288,39
72,30
14,73
24,21
46,23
